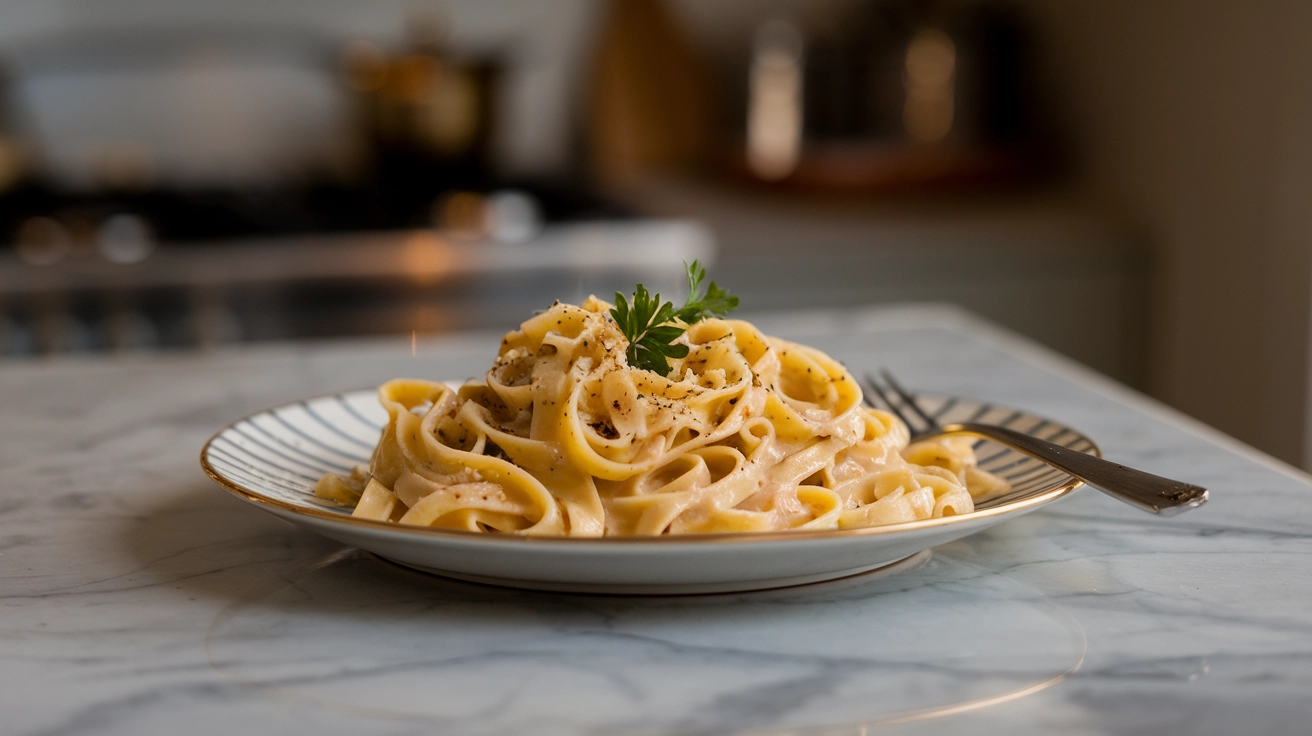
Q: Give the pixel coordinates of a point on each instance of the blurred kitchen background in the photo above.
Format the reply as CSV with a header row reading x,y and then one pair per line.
x,y
1129,183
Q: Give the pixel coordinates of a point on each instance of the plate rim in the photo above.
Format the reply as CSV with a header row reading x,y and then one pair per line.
x,y
255,497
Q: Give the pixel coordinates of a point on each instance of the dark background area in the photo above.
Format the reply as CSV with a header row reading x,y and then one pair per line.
x,y
1124,182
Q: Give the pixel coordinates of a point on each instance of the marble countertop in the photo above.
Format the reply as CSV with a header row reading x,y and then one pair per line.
x,y
139,598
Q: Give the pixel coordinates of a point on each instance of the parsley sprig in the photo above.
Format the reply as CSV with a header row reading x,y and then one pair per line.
x,y
650,324
699,306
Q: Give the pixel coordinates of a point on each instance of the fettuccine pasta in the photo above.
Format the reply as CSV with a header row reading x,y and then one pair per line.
x,y
563,437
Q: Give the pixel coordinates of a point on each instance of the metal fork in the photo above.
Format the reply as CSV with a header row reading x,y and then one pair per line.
x,y
1149,492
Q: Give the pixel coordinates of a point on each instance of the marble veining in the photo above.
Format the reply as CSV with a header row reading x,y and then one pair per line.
x,y
138,598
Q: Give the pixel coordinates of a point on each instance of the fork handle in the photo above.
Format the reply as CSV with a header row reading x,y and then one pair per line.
x,y
1147,491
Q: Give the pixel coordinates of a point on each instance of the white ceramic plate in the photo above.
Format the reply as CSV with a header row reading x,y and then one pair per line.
x,y
273,459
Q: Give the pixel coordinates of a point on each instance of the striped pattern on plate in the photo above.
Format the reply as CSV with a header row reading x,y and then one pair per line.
x,y
1027,476
282,452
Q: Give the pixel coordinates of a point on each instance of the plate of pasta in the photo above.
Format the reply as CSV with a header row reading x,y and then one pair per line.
x,y
635,448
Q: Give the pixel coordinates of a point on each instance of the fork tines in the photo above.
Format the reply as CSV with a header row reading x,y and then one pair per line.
x,y
906,400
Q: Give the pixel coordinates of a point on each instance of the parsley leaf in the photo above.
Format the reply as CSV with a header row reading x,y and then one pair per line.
x,y
649,324
715,301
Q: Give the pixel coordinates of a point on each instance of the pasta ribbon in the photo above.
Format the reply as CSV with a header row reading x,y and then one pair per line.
x,y
563,437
